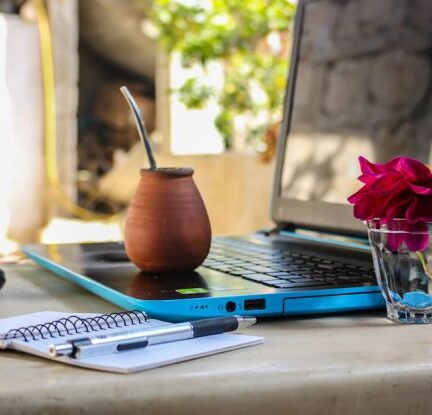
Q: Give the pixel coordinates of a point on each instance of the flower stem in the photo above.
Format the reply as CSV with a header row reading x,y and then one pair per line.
x,y
426,268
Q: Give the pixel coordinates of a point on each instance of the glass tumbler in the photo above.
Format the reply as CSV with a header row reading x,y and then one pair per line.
x,y
402,255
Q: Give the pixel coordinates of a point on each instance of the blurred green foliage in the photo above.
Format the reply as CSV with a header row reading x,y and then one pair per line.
x,y
238,34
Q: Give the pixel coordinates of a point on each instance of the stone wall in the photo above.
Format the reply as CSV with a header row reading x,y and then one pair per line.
x,y
363,88
365,66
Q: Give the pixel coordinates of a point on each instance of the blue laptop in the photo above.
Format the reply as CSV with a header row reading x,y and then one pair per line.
x,y
316,259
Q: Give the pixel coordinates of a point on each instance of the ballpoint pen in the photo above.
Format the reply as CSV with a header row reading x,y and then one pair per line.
x,y
107,344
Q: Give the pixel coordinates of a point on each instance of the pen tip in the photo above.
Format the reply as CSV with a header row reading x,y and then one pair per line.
x,y
52,350
244,322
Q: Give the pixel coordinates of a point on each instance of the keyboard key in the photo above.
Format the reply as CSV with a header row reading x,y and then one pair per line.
x,y
236,262
231,261
296,276
258,268
276,268
317,272
279,274
290,268
324,266
246,272
259,277
222,267
351,266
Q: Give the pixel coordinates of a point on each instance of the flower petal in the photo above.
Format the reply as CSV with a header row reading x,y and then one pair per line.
x,y
394,241
372,169
360,194
372,205
368,168
417,242
421,190
413,169
365,178
397,208
414,235
391,182
420,209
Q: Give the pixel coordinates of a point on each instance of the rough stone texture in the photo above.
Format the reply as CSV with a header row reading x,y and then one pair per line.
x,y
365,66
364,88
409,72
420,16
340,97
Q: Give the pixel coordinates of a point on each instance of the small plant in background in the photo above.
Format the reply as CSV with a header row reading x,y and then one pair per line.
x,y
250,40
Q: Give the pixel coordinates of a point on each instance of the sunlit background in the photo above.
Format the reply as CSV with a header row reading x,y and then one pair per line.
x,y
209,77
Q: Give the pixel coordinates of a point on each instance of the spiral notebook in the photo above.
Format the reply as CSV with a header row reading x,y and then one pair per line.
x,y
33,333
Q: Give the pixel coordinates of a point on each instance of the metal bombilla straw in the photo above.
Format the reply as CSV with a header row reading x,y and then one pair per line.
x,y
140,126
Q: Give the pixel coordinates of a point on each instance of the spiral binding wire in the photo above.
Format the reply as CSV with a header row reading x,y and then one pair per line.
x,y
75,325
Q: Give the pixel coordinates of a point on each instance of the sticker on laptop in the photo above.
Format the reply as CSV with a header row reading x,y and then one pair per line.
x,y
189,291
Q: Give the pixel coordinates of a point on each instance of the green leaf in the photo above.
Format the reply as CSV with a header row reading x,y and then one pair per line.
x,y
234,32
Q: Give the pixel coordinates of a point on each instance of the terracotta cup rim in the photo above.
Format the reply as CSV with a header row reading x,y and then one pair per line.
x,y
168,171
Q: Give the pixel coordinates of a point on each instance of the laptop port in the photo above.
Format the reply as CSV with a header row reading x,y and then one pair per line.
x,y
230,306
255,304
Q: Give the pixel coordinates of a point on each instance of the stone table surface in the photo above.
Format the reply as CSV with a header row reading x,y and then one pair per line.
x,y
345,364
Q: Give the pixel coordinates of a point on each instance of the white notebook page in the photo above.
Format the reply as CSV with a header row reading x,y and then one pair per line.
x,y
129,361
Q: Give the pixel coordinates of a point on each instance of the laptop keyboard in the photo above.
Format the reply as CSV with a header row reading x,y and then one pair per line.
x,y
282,269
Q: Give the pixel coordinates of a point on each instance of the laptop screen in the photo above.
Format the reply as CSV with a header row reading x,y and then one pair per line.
x,y
362,86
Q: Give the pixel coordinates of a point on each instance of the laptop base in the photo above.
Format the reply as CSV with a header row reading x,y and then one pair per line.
x,y
103,269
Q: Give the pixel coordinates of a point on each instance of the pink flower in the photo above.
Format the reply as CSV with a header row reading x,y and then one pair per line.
x,y
398,189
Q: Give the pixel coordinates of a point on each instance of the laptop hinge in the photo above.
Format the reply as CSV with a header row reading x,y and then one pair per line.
x,y
288,227
280,227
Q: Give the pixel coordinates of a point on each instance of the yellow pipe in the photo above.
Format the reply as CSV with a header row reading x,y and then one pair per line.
x,y
56,191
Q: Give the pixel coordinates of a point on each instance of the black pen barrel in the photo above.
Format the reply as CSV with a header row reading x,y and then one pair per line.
x,y
214,326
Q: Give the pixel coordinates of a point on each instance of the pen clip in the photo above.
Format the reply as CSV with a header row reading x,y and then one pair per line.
x,y
130,345
97,350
